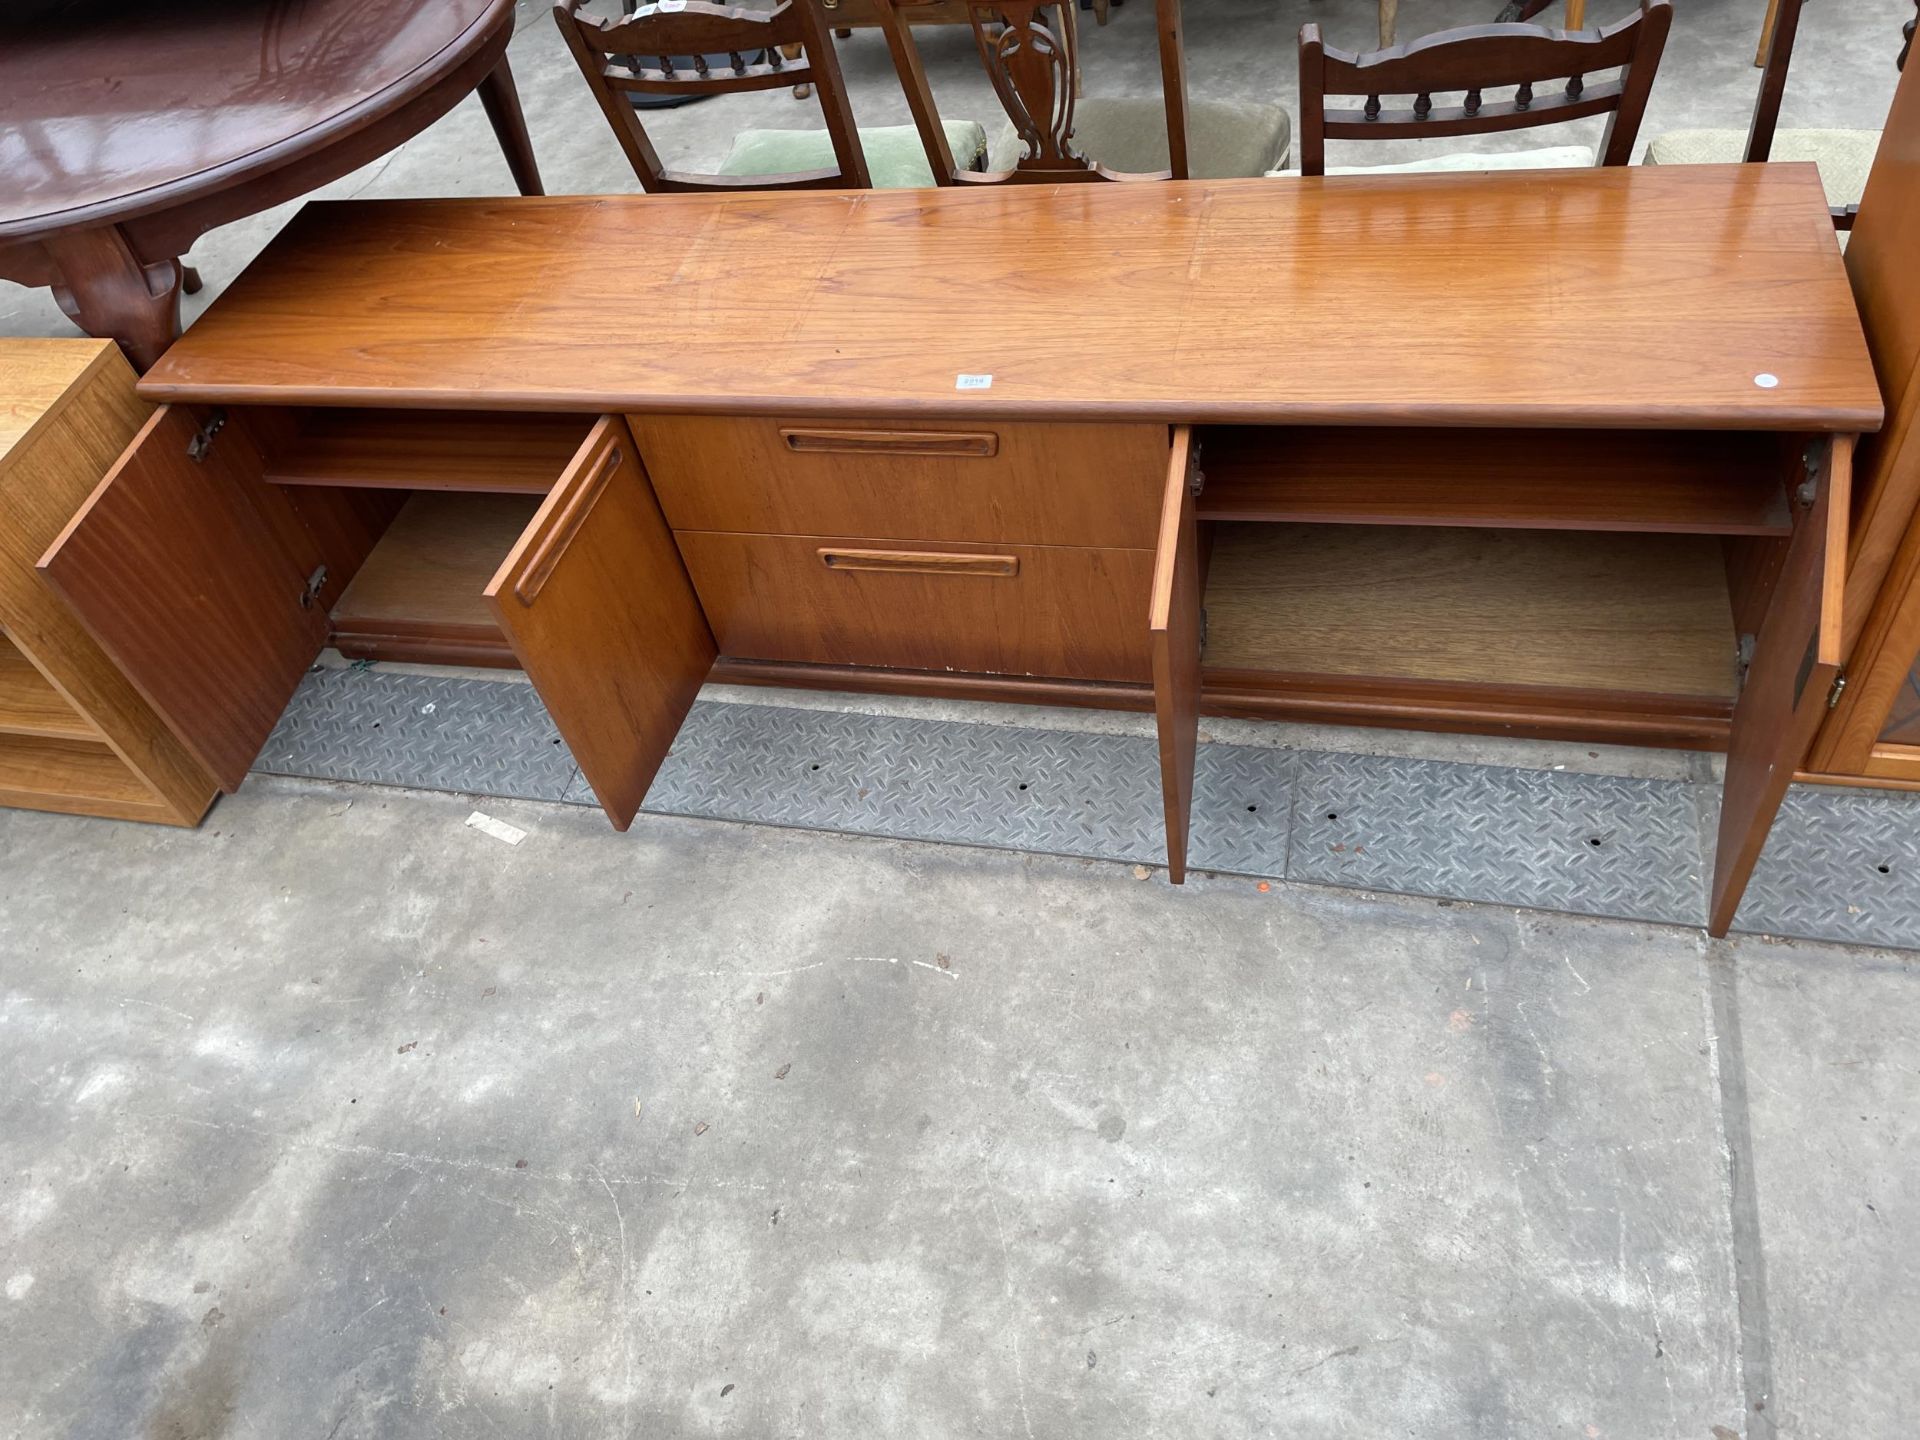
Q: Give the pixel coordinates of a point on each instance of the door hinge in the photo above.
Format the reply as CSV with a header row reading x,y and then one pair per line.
x,y
310,592
1196,477
201,445
1839,685
1203,629
1810,466
1742,661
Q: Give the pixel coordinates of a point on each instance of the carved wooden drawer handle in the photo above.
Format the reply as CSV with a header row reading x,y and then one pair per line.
x,y
953,444
546,557
921,562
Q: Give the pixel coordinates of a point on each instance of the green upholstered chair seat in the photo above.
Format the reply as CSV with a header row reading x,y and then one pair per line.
x,y
1225,138
1555,157
896,160
1844,156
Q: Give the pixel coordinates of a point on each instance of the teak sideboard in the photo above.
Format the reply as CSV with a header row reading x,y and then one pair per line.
x,y
1551,453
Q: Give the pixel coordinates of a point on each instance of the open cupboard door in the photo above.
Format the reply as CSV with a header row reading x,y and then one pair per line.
x,y
1174,627
598,608
1790,679
207,586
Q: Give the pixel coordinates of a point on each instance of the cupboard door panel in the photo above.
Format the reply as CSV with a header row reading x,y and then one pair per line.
x,y
1174,629
193,574
599,610
1796,659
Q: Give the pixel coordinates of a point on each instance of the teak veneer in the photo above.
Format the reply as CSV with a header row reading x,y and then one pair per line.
x,y
1268,449
76,734
1641,297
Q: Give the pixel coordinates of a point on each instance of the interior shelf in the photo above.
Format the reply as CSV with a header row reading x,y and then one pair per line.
x,y
420,593
29,705
78,774
1675,481
1640,614
427,450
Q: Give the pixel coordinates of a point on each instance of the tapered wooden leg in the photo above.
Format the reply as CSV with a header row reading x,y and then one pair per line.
x,y
1766,33
1389,18
1576,14
109,293
502,99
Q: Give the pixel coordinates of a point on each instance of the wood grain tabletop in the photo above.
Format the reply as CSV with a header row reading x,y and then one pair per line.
x,y
1668,296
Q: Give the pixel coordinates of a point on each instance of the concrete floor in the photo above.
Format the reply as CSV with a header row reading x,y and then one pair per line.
x,y
337,1118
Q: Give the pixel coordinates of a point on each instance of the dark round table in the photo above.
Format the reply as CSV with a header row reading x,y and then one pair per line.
x,y
129,128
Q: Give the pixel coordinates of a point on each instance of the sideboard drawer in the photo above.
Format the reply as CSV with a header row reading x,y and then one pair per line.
x,y
970,480
1064,611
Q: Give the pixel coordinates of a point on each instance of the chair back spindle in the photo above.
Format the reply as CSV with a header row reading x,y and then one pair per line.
x,y
634,56
1475,59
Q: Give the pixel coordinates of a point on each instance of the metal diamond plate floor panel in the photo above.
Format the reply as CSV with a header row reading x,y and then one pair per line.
x,y
1841,864
1044,790
1590,844
486,737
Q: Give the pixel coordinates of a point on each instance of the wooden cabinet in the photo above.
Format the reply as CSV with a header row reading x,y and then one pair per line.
x,y
1532,623
1234,448
75,734
214,582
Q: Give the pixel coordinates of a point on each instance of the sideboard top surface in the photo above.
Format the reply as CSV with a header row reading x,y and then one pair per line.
x,y
1667,296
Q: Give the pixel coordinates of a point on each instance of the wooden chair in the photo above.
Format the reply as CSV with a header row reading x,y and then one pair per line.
x,y
1473,60
1029,49
1843,156
635,55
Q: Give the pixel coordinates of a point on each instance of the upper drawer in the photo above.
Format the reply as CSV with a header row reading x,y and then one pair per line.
x,y
1035,484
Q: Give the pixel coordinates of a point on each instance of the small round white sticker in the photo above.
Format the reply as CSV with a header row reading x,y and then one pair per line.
x,y
1766,381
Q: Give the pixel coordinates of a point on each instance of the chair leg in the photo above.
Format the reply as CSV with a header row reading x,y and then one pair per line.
x,y
1766,34
1576,14
1389,18
502,102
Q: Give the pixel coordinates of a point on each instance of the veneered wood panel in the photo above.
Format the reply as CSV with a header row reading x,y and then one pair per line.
x,y
1531,712
1886,285
1173,626
1562,609
421,595
1795,659
182,570
1057,610
1636,296
29,705
598,607
1677,481
427,450
67,411
1061,484
76,777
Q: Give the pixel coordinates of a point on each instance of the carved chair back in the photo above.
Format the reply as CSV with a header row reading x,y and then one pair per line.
x,y
1475,59
635,55
1779,39
1030,51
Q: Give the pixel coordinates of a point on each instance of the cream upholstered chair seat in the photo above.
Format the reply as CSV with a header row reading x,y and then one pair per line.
x,y
1550,157
1844,156
896,160
1225,138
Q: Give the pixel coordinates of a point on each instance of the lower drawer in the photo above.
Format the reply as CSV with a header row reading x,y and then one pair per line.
x,y
1058,610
